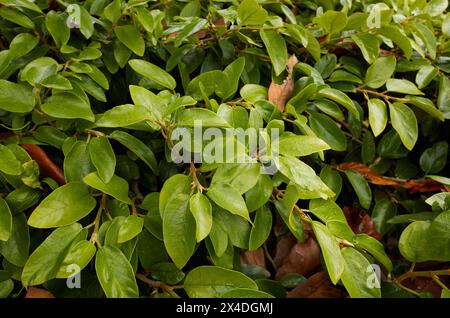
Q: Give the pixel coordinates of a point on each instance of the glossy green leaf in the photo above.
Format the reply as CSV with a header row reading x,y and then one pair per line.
x,y
276,47
15,97
102,157
153,72
327,130
115,273
201,209
116,187
214,282
64,206
250,12
261,229
405,124
361,187
380,71
130,228
228,198
5,221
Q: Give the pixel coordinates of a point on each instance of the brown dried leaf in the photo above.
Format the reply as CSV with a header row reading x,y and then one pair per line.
x,y
279,93
317,286
361,222
283,249
303,259
34,292
255,257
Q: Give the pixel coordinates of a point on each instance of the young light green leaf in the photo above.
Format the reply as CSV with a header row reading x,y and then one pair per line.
x,y
123,115
205,117
202,211
334,260
130,228
80,254
8,162
5,221
378,115
298,146
15,97
358,277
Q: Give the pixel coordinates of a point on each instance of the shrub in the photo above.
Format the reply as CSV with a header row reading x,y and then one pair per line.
x,y
224,148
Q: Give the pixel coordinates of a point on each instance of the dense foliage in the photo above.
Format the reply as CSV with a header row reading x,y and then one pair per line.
x,y
351,104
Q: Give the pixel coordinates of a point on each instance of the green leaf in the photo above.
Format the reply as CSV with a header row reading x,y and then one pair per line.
x,y
374,247
57,81
246,293
112,11
298,146
102,157
434,159
14,16
153,72
427,241
405,124
425,75
257,196
443,101
167,272
227,197
428,38
250,12
15,97
214,282
310,186
241,176
116,187
202,211
332,255
130,228
332,22
121,116
38,70
402,86
57,26
368,150
327,130
86,21
261,229
358,275
380,71
137,147
205,118
131,38
331,214
22,44
64,206
383,211
5,221
8,162
276,47
332,179
15,250
77,163
68,106
46,260
369,45
446,26
232,75
426,105
378,115
115,273
393,33
80,253
361,187
175,185
179,230
340,98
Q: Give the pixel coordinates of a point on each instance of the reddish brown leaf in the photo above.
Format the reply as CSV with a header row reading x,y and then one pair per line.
x,y
279,93
34,292
317,286
421,185
255,257
283,249
361,222
302,259
46,166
